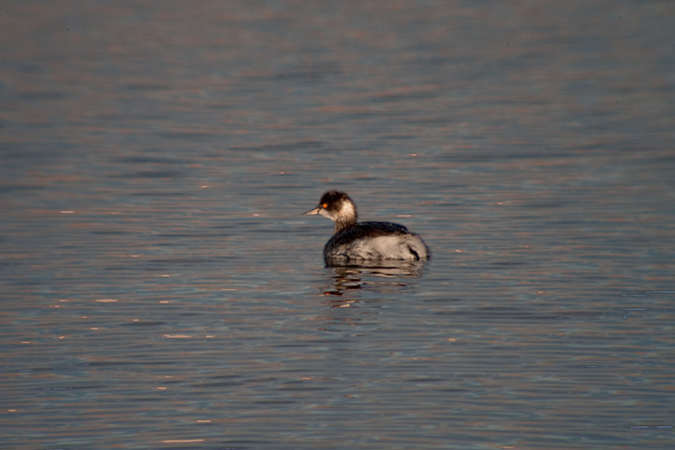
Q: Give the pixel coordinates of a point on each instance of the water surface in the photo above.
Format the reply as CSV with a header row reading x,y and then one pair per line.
x,y
160,288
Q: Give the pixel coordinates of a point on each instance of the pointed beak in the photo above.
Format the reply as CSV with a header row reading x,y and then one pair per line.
x,y
311,212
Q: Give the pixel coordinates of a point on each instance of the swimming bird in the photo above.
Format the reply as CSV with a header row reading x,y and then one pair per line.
x,y
354,242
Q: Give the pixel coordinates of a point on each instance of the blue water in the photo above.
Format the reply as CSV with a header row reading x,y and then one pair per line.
x,y
160,287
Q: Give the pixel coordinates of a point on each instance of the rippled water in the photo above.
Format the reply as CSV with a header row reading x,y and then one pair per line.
x,y
160,288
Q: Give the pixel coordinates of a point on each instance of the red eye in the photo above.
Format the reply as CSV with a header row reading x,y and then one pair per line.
x,y
325,205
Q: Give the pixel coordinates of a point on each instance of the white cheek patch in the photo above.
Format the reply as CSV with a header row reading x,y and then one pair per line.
x,y
347,210
324,213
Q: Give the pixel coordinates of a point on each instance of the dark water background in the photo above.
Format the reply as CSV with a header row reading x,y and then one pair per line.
x,y
159,288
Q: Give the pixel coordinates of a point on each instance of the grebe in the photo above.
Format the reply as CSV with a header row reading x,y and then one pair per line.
x,y
365,241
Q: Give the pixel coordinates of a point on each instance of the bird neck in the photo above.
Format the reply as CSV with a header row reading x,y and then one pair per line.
x,y
341,223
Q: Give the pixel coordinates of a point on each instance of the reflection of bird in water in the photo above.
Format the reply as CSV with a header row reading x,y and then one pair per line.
x,y
346,280
365,243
